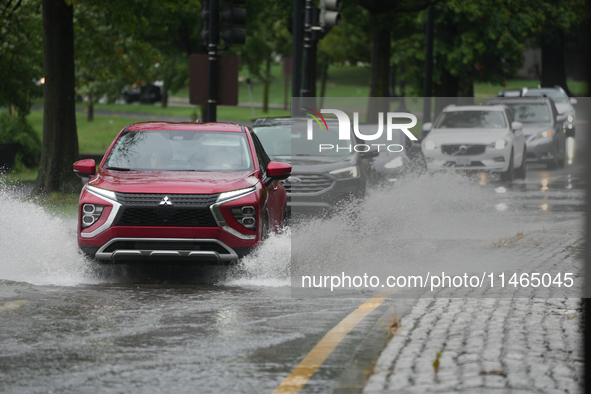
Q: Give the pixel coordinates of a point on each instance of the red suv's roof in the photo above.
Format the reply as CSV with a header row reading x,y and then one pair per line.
x,y
214,126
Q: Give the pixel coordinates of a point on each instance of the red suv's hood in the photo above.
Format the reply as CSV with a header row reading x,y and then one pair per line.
x,y
173,181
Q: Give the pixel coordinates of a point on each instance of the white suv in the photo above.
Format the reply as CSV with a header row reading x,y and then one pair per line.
x,y
476,138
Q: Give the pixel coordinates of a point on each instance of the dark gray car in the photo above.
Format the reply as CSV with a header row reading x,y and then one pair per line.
x,y
543,128
319,181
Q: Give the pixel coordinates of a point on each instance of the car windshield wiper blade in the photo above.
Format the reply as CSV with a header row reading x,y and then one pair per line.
x,y
118,168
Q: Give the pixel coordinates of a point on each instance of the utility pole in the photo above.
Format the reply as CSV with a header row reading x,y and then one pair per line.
x,y
318,22
296,50
308,47
212,51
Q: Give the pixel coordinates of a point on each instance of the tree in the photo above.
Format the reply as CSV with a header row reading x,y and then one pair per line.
x,y
556,20
265,42
347,43
382,14
60,139
109,56
174,31
21,54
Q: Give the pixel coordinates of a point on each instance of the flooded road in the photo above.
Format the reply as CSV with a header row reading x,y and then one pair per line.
x,y
68,326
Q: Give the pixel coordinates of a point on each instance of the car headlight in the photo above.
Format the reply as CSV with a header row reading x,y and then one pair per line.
x,y
395,163
347,172
102,192
430,145
543,134
571,118
235,193
500,144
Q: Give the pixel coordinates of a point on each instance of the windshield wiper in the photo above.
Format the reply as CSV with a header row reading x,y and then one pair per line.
x,y
118,168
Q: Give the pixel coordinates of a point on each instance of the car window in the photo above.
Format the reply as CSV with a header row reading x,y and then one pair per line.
x,y
531,113
555,95
285,140
471,119
510,117
264,160
181,151
276,140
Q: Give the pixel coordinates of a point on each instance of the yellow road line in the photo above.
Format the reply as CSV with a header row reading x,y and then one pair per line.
x,y
12,305
298,378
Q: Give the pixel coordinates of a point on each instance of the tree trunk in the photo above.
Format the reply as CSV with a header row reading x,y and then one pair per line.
x,y
90,110
553,68
164,100
60,139
380,66
446,92
466,90
266,84
380,59
323,82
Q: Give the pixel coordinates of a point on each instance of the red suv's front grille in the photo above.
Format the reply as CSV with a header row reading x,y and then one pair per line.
x,y
168,210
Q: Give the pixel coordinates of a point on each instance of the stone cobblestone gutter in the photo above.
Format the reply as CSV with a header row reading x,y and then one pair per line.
x,y
529,341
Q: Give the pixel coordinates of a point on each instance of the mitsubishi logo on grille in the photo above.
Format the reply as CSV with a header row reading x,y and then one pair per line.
x,y
165,201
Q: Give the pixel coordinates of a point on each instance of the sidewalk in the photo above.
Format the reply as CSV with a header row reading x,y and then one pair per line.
x,y
500,345
184,102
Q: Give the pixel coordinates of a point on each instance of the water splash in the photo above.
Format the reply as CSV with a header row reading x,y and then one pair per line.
x,y
269,265
38,247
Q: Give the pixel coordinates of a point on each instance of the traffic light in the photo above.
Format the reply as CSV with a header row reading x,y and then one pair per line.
x,y
205,23
233,16
329,15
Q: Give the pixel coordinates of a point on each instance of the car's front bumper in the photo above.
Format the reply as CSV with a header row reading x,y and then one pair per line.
x,y
541,150
495,160
118,249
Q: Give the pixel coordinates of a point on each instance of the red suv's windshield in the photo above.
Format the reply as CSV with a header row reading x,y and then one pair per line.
x,y
180,151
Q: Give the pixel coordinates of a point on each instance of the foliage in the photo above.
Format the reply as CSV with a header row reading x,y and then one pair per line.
x,y
475,40
18,130
349,42
109,55
174,31
267,40
21,54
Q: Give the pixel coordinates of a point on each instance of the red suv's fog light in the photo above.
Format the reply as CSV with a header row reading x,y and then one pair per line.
x,y
90,214
245,216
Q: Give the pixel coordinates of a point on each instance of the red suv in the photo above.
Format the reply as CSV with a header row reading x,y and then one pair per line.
x,y
188,191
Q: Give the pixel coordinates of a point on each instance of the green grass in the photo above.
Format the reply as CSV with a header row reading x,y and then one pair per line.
x,y
345,81
17,178
96,136
93,137
353,81
224,113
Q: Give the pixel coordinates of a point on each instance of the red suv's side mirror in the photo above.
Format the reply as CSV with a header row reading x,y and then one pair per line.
x,y
278,171
85,168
